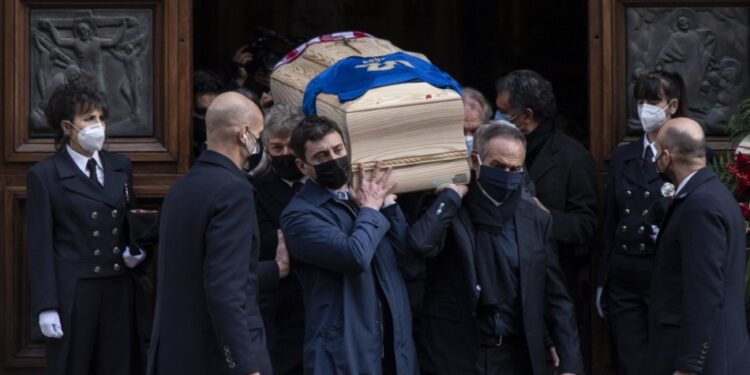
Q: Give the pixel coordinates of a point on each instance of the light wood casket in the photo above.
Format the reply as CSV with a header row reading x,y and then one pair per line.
x,y
415,128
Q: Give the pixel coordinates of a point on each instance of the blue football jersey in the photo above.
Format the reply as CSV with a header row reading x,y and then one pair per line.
x,y
351,77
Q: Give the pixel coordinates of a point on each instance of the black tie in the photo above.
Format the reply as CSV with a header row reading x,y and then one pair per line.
x,y
91,166
648,156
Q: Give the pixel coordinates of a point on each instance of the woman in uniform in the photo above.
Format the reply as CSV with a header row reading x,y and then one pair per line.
x,y
78,261
630,227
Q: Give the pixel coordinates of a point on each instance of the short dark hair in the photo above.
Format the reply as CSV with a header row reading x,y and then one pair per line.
x,y
311,128
682,145
528,89
496,129
73,98
658,85
207,82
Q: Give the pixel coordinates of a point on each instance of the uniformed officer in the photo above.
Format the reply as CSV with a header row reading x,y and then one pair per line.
x,y
635,195
78,260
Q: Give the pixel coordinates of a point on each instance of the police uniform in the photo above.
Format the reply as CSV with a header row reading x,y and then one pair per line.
x,y
629,230
75,238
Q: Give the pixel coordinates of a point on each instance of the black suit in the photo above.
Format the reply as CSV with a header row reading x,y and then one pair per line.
x,y
282,308
565,182
449,337
75,237
207,319
697,309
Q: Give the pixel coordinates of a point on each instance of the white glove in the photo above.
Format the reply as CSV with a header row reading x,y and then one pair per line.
x,y
133,260
654,232
49,323
599,310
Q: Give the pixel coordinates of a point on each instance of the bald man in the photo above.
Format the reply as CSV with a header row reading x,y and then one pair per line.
x,y
697,305
207,319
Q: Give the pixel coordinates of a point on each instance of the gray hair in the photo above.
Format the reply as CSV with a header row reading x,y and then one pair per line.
x,y
281,120
496,129
483,102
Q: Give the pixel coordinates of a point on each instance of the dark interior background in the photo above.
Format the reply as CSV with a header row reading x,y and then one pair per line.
x,y
476,41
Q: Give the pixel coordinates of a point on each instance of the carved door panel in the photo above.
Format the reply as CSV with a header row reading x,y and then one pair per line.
x,y
706,42
139,54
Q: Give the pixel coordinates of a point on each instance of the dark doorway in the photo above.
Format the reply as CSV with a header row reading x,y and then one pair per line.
x,y
475,41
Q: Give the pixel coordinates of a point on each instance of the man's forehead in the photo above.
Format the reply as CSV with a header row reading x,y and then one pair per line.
x,y
501,148
276,138
332,139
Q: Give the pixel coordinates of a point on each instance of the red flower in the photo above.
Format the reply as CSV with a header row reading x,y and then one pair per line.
x,y
745,208
743,162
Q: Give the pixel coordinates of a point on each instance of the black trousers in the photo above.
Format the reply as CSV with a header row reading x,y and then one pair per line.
x,y
103,336
510,358
627,312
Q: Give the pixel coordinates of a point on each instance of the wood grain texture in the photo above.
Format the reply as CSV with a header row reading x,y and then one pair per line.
x,y
415,128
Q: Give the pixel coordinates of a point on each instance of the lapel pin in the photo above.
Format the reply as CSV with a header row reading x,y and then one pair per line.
x,y
667,190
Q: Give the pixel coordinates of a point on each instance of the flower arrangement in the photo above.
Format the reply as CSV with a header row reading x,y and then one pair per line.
x,y
733,169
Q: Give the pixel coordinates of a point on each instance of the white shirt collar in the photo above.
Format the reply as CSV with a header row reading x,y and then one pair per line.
x,y
646,143
82,160
683,183
340,193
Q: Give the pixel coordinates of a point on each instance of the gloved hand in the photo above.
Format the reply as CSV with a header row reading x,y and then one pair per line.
x,y
49,323
599,310
133,260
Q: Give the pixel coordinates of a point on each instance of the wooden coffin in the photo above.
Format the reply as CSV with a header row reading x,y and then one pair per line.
x,y
415,128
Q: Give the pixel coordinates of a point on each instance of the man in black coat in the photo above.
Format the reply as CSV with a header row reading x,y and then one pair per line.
x,y
207,319
283,307
697,306
563,176
494,287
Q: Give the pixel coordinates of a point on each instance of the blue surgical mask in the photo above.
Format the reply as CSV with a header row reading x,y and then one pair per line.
x,y
500,116
469,144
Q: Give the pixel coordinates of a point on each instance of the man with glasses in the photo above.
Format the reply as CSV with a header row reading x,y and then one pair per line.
x,y
562,171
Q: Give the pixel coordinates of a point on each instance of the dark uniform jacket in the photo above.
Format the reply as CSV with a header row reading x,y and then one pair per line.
x,y
207,319
697,312
282,307
75,230
449,338
338,255
633,192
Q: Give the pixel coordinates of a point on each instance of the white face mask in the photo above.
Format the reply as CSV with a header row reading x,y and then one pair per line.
x,y
91,138
257,147
652,116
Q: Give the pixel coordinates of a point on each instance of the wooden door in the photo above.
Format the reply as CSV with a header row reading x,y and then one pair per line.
x,y
145,74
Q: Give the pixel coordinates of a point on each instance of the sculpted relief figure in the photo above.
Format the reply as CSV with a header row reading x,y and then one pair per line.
x,y
706,46
687,52
107,49
130,86
87,46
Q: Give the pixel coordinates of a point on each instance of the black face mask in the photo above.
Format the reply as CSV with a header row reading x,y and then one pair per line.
x,y
499,183
285,167
254,159
333,174
663,175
